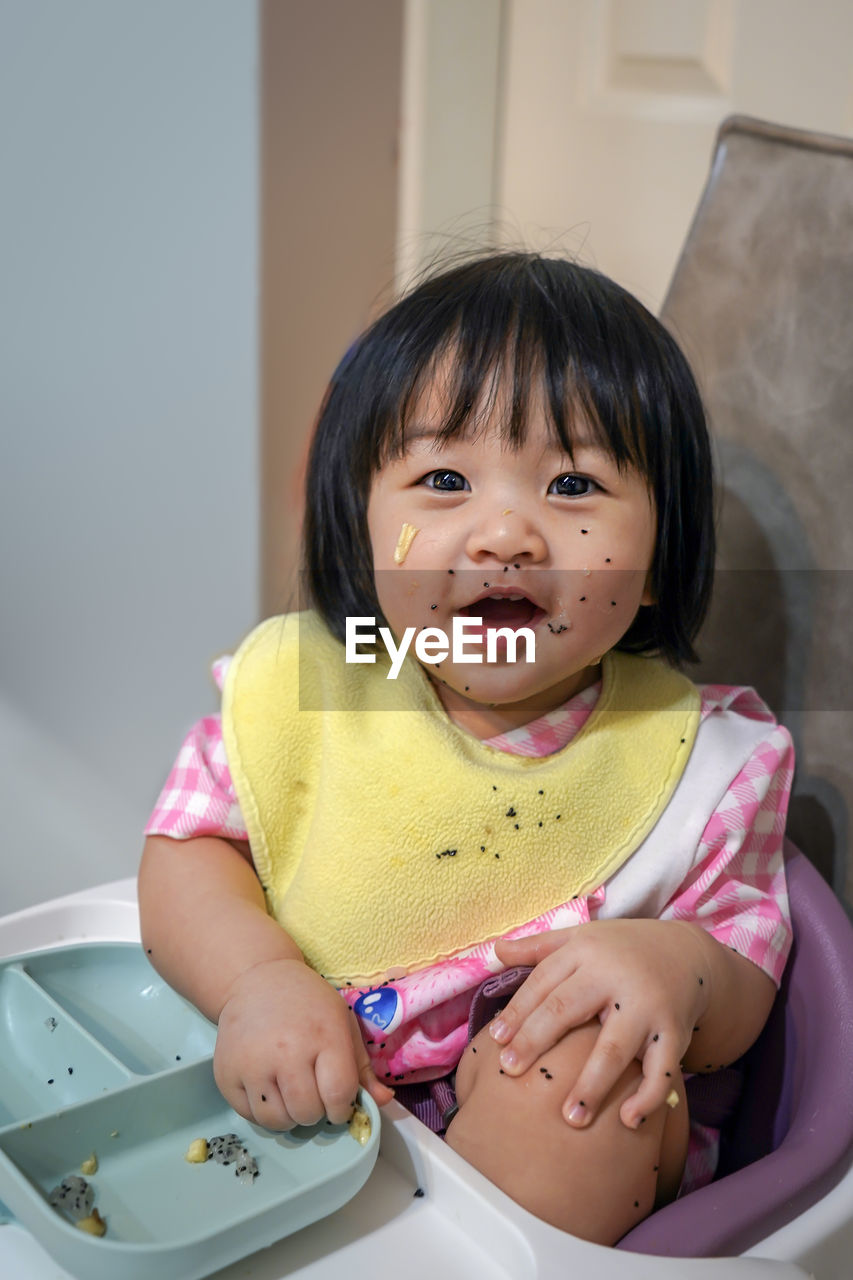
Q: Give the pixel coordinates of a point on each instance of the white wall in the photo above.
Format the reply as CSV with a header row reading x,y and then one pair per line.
x,y
128,410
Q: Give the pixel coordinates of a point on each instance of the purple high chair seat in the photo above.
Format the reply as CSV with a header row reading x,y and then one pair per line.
x,y
791,1137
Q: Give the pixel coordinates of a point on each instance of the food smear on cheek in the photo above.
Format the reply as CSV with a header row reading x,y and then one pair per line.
x,y
404,542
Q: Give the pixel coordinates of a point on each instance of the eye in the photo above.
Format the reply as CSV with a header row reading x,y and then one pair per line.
x,y
445,481
572,486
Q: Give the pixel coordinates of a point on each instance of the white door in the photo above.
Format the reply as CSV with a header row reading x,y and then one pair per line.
x,y
604,114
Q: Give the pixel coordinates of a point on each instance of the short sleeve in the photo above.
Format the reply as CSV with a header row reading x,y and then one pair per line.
x,y
737,888
198,797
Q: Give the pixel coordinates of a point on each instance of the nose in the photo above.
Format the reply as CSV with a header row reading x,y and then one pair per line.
x,y
506,533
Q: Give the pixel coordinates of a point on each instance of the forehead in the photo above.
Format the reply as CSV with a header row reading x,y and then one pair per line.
x,y
515,407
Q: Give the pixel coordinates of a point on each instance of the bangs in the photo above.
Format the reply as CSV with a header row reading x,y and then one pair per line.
x,y
499,348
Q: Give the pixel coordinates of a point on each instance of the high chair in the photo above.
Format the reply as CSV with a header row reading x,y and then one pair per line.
x,y
762,301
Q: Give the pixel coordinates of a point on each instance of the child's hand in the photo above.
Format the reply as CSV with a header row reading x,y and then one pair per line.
x,y
647,982
289,1050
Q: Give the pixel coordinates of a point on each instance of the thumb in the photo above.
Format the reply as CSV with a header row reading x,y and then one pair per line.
x,y
367,1078
532,949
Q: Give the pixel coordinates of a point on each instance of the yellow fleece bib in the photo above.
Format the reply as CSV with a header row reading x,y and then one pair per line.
x,y
386,838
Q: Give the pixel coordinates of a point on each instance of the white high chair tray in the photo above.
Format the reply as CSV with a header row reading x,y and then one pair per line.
x,y
422,1210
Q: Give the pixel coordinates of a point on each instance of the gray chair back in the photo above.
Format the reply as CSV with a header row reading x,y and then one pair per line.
x,y
762,303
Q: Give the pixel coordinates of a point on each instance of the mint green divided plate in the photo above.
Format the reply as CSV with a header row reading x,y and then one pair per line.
x,y
98,1054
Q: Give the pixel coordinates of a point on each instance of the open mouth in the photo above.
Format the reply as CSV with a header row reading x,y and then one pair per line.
x,y
499,610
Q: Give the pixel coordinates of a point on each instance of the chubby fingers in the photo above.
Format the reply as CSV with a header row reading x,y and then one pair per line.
x,y
620,1042
547,1005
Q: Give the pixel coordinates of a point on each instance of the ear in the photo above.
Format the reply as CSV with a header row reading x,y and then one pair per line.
x,y
648,597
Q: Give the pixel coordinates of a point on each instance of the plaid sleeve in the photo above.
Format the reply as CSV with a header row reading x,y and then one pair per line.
x,y
198,798
737,888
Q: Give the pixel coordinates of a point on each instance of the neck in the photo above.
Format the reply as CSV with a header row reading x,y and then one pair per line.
x,y
483,721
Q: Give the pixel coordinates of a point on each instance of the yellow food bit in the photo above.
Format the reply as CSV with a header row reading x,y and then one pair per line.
x,y
90,1165
672,1098
405,540
94,1224
359,1126
197,1151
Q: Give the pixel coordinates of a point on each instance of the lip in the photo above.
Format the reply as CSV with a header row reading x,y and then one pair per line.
x,y
503,591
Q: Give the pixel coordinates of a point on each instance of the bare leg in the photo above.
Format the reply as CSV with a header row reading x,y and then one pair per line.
x,y
597,1182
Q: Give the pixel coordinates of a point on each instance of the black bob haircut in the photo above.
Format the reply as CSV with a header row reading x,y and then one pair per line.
x,y
531,324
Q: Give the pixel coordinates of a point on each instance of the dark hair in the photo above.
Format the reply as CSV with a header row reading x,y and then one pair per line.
x,y
533,324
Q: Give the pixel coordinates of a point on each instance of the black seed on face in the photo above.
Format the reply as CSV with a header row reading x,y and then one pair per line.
x,y
71,1071
501,1071
515,824
701,982
656,1036
558,817
584,530
482,848
548,1075
655,1168
510,813
616,1006
582,599
433,606
668,1075
497,855
419,1191
541,793
177,1057
636,1204
50,1081
473,1048
263,1097
516,566
540,824
613,604
487,584
607,559
450,571
506,568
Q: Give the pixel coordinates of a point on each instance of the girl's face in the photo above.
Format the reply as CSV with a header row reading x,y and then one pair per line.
x,y
520,537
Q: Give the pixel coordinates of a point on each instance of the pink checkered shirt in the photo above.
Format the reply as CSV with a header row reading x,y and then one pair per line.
x,y
736,889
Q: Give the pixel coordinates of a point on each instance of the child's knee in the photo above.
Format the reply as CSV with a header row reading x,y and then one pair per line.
x,y
596,1182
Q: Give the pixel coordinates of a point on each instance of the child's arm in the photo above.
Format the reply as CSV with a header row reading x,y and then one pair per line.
x,y
666,992
288,1050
